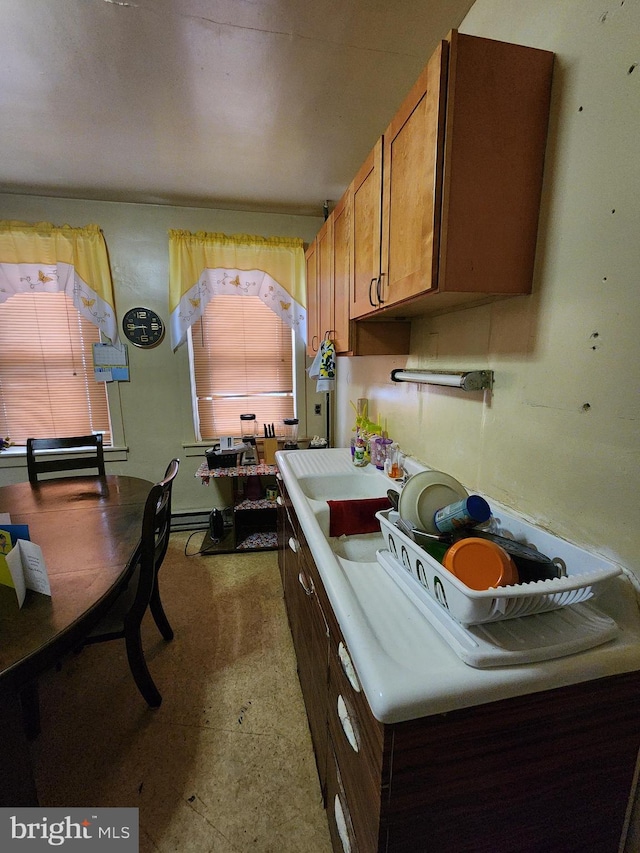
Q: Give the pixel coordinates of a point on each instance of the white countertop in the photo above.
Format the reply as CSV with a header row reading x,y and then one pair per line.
x,y
406,669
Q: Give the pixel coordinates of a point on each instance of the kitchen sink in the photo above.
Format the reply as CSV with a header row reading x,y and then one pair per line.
x,y
358,548
360,483
329,475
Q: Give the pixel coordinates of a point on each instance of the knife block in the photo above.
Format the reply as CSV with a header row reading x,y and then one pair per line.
x,y
270,447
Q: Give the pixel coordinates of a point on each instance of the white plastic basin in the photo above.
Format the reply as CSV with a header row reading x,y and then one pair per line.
x,y
364,483
358,548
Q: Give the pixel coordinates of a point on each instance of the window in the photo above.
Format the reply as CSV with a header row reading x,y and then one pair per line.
x,y
242,362
47,388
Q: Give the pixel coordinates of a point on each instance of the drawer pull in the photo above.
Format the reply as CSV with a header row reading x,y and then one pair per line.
x,y
294,545
347,725
301,580
347,666
341,824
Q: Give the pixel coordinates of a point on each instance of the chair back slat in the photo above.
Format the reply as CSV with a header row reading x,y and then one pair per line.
x,y
83,459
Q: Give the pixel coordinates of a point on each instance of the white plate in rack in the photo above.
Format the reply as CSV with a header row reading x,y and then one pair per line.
x,y
527,639
424,494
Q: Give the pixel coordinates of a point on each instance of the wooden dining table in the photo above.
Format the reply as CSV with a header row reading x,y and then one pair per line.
x,y
89,531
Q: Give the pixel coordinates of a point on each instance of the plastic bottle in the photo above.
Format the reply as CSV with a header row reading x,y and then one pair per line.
x,y
359,459
465,513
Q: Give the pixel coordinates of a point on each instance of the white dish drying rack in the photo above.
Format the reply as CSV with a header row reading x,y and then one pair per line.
x,y
484,626
470,606
508,642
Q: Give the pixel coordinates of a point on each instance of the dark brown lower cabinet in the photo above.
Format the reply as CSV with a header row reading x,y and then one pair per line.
x,y
308,625
550,771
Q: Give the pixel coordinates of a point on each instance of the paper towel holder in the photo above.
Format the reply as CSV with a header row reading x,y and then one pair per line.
x,y
467,380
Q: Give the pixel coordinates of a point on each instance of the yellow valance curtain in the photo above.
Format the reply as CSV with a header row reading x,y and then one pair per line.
x,y
202,265
47,258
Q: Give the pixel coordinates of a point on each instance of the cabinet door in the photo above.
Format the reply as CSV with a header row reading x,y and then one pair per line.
x,y
379,338
412,186
324,284
497,116
342,271
283,534
309,630
365,234
313,663
343,837
313,317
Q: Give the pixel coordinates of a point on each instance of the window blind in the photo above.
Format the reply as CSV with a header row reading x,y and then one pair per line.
x,y
243,362
47,388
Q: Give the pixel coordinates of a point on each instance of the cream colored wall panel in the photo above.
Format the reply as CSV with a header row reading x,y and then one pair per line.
x,y
558,438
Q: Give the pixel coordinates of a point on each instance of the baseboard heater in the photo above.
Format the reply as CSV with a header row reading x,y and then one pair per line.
x,y
190,520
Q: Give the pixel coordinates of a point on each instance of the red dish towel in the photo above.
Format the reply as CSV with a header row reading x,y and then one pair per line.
x,y
355,516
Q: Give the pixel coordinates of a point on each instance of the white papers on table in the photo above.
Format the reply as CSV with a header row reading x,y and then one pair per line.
x,y
26,564
21,561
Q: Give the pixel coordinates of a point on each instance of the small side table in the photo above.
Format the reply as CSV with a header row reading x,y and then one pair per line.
x,y
254,520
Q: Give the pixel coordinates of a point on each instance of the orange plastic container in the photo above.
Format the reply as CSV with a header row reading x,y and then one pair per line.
x,y
480,564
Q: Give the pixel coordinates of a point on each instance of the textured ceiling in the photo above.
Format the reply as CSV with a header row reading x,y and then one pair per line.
x,y
250,104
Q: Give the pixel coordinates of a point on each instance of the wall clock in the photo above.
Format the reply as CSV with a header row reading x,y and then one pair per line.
x,y
143,327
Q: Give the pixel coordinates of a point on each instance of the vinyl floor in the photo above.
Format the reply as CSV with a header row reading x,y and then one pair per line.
x,y
225,764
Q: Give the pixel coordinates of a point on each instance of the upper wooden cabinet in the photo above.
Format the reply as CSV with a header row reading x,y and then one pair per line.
x,y
330,271
367,216
320,294
457,179
411,187
313,317
324,283
341,261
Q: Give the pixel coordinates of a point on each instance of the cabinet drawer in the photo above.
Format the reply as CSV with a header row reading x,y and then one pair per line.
x,y
323,598
343,837
357,739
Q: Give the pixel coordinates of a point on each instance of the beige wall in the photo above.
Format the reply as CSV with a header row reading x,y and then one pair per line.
x,y
559,437
156,403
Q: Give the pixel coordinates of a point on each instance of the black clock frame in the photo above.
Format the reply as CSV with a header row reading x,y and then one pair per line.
x,y
143,327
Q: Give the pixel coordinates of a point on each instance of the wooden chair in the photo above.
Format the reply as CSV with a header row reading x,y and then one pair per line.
x,y
124,619
44,465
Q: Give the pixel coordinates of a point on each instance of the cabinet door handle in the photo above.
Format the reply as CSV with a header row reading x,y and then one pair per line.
x,y
279,501
347,725
341,824
314,344
371,283
308,586
294,544
379,289
347,666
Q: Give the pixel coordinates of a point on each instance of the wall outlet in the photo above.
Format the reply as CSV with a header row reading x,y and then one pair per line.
x,y
318,409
